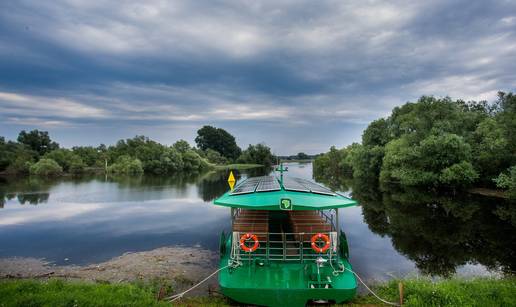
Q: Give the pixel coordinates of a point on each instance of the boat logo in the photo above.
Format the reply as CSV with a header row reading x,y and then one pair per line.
x,y
285,204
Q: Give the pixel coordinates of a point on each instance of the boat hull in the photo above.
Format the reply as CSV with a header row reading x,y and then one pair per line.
x,y
285,284
287,297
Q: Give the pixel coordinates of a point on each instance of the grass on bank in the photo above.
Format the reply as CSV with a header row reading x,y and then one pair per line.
x,y
61,293
417,292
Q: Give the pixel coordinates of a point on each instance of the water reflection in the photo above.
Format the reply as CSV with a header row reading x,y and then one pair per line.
x,y
440,232
394,232
90,219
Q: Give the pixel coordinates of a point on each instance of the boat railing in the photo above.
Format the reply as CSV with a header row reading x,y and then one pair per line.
x,y
286,247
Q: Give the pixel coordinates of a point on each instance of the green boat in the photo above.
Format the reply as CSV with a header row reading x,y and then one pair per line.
x,y
285,247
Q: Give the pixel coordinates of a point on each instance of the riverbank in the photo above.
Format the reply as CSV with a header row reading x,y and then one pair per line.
x,y
417,292
237,166
97,170
171,267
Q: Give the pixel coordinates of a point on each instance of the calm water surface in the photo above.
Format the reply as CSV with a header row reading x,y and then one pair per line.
x,y
93,219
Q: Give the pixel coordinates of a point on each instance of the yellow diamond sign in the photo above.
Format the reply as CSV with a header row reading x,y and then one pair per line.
x,y
231,180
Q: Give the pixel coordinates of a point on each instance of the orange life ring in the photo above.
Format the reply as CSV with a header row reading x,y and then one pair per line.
x,y
246,237
325,238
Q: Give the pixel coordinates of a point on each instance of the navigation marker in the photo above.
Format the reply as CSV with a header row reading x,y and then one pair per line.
x,y
231,180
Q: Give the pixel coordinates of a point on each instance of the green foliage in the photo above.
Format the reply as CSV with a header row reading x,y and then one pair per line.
x,y
356,160
218,139
171,161
91,156
449,292
376,134
435,160
181,146
303,156
39,141
67,159
193,162
458,174
46,167
437,142
491,152
508,181
257,154
126,165
62,293
215,157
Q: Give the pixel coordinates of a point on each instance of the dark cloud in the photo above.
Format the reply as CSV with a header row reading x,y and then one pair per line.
x,y
300,76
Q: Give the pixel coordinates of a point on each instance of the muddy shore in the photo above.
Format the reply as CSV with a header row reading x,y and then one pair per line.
x,y
175,266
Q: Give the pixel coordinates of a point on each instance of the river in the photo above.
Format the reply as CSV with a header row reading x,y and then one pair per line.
x,y
391,234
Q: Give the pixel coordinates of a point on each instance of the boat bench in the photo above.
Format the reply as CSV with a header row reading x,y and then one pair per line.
x,y
308,222
253,221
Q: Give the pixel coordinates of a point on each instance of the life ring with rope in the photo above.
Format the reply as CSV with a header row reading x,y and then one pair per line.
x,y
251,248
324,238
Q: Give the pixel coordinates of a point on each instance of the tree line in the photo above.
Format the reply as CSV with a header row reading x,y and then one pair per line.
x,y
34,152
439,143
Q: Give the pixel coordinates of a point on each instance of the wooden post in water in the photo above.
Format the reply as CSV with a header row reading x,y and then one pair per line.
x,y
400,288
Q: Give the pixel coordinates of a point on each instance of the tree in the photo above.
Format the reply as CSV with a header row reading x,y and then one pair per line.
x,y
436,160
257,154
39,141
217,139
303,156
46,167
193,162
181,146
434,141
376,134
90,155
508,181
171,161
126,165
67,159
215,157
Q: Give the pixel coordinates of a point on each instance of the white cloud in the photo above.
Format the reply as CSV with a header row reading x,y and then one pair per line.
x,y
29,105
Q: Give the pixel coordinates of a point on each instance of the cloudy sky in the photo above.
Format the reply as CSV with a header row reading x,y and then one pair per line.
x,y
298,75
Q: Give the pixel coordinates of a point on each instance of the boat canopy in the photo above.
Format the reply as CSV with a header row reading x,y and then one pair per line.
x,y
271,193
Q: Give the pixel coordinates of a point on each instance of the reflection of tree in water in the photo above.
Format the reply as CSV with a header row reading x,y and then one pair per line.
x,y
32,198
440,231
214,184
27,190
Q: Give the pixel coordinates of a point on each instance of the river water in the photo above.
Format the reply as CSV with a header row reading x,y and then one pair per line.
x,y
391,234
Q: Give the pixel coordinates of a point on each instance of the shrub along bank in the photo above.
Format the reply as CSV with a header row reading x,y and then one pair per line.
x,y
35,153
434,142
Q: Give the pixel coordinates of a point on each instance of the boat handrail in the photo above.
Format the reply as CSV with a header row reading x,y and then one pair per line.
x,y
292,246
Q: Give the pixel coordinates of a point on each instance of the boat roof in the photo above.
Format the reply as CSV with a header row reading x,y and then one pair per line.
x,y
271,193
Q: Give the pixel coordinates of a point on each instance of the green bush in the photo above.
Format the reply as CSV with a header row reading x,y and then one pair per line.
x,y
126,165
257,154
508,181
193,162
67,159
46,167
215,157
436,142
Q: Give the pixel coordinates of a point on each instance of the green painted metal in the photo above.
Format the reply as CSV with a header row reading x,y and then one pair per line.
x,y
271,200
285,284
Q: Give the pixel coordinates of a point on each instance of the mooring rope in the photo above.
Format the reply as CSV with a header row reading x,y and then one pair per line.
x,y
337,272
372,292
180,295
